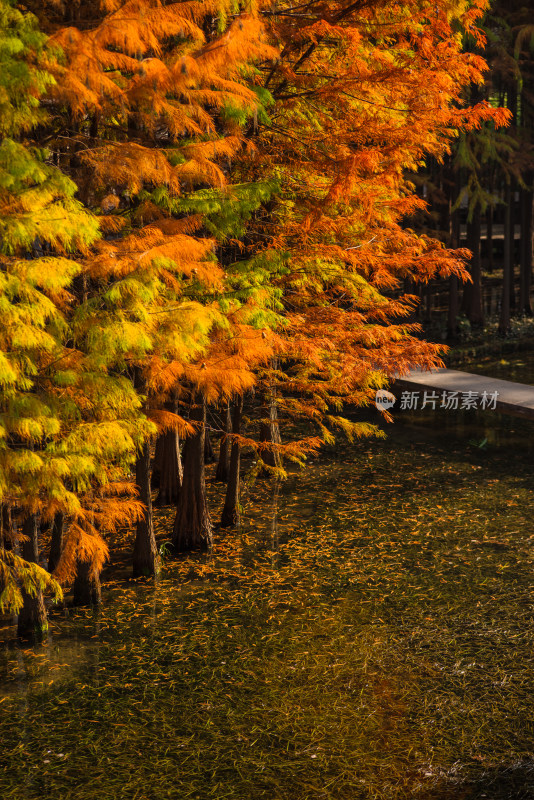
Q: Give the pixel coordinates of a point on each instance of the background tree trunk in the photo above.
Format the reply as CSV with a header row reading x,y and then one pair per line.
x,y
472,300
504,321
5,526
32,621
454,294
145,554
525,280
512,248
171,471
489,236
270,432
56,543
192,526
157,462
230,513
509,233
87,588
221,473
452,310
209,453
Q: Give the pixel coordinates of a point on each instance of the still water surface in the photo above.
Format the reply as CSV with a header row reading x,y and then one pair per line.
x,y
368,633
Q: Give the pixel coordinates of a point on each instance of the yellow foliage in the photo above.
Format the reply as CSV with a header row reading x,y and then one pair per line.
x,y
17,574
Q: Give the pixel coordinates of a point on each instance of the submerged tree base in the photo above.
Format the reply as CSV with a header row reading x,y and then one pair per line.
x,y
32,623
193,529
146,560
87,589
32,620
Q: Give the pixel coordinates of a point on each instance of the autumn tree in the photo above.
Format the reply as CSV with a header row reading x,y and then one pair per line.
x,y
38,218
69,429
230,512
157,97
243,181
362,94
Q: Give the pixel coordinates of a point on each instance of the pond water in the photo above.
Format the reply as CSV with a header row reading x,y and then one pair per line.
x,y
367,633
518,368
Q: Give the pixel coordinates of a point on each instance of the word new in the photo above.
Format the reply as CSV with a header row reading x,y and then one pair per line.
x,y
449,400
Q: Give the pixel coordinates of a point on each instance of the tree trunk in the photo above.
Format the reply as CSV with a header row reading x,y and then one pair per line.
x,y
2,541
230,514
411,289
87,588
420,291
56,543
157,462
145,554
472,300
489,236
452,312
171,471
167,452
221,473
209,454
509,235
32,621
512,248
428,302
270,432
504,321
192,525
5,527
525,281
454,242
7,534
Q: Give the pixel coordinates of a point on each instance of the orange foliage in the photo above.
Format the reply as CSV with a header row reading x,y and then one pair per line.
x,y
363,92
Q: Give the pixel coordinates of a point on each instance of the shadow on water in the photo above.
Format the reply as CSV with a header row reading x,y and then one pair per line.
x,y
519,368
502,782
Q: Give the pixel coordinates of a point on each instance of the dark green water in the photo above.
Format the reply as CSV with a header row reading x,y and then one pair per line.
x,y
367,634
519,368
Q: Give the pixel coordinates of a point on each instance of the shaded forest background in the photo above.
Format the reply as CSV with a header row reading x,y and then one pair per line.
x,y
481,196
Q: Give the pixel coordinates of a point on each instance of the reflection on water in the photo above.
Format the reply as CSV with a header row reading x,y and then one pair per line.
x,y
485,428
519,368
366,633
470,426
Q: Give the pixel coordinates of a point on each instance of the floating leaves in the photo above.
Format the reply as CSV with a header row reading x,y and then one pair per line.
x,y
367,633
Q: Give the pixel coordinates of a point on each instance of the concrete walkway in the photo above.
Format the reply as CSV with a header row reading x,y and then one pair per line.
x,y
451,389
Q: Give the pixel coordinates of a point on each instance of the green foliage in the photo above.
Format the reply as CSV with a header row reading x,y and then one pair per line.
x,y
21,84
476,152
38,204
225,214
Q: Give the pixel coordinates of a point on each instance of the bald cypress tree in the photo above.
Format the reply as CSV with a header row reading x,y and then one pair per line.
x,y
40,222
68,428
